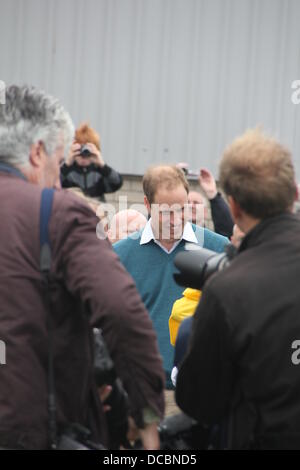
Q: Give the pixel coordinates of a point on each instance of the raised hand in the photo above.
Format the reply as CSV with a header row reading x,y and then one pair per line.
x,y
208,183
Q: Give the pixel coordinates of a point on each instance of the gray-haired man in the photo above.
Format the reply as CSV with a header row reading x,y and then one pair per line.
x,y
89,288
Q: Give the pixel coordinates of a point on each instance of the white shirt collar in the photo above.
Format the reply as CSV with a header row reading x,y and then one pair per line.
x,y
188,236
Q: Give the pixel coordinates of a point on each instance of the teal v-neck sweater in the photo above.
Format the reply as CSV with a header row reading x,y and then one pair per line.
x,y
152,270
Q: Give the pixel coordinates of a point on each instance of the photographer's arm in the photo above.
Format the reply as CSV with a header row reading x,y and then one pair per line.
x,y
68,166
221,216
111,180
74,152
149,435
204,381
220,211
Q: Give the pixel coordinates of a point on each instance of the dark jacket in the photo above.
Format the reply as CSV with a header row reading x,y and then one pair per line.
x,y
93,180
221,216
91,288
239,364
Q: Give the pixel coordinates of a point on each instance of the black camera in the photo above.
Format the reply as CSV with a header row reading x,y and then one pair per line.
x,y
85,152
196,266
180,432
105,374
77,437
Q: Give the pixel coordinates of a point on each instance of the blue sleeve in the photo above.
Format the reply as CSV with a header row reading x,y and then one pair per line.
x,y
210,240
182,340
127,250
120,249
215,242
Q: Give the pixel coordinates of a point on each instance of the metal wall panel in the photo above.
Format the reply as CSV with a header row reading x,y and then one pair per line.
x,y
161,80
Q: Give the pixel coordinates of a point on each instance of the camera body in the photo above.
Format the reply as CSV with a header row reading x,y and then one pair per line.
x,y
105,374
195,266
85,152
180,432
77,437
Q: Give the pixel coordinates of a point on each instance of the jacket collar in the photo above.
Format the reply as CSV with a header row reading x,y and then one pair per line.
x,y
265,230
5,168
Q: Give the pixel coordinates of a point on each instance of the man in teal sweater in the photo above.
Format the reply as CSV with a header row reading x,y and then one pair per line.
x,y
149,255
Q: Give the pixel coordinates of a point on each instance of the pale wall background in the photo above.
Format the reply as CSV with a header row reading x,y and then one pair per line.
x,y
161,80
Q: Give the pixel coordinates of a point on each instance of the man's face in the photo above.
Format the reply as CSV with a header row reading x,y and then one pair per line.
x,y
169,213
83,161
44,169
198,210
237,236
135,223
51,169
124,224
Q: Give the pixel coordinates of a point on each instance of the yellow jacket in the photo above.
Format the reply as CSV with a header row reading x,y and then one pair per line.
x,y
183,308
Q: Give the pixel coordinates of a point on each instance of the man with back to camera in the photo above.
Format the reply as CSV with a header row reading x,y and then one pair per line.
x,y
89,288
149,254
240,364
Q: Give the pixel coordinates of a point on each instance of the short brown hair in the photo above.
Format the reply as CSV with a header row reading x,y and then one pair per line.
x,y
257,171
85,134
166,176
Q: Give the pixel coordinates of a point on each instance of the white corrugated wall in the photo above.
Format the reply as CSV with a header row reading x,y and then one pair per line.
x,y
161,80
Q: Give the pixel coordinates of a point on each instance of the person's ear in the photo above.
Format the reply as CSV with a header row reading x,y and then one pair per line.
x,y
36,155
147,204
235,208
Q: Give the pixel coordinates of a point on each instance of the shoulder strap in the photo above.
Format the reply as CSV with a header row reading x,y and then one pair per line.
x,y
5,168
45,214
45,265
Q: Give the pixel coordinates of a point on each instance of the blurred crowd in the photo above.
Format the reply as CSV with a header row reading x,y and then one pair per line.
x,y
222,352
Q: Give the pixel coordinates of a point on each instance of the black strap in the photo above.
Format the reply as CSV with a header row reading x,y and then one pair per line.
x,y
45,265
45,214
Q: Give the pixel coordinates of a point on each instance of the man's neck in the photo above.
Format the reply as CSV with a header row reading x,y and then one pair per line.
x,y
30,175
248,224
168,245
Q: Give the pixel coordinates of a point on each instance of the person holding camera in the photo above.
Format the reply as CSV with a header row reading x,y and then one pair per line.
x,y
58,282
85,167
241,368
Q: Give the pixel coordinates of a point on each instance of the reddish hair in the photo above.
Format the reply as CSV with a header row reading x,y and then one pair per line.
x,y
85,134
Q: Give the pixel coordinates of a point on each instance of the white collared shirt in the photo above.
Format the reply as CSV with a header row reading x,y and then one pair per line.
x,y
188,235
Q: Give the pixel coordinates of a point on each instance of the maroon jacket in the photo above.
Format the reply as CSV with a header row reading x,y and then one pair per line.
x,y
91,288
